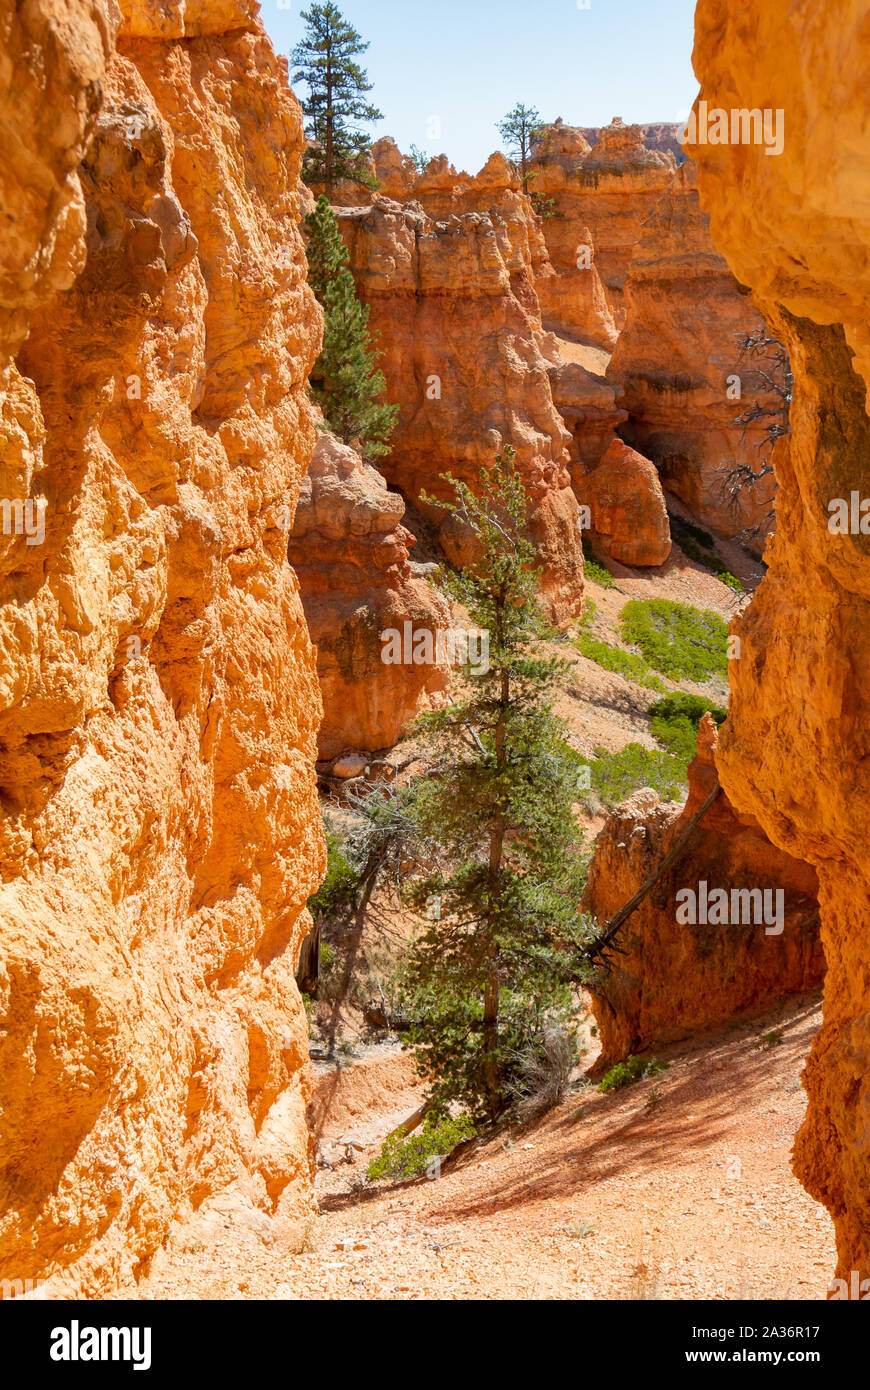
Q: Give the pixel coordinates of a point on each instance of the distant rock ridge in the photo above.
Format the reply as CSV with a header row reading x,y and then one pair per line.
x,y
679,370
466,358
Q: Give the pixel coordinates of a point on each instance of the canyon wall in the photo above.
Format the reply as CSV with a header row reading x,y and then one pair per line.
x,y
672,978
350,553
795,227
600,197
158,698
679,364
462,348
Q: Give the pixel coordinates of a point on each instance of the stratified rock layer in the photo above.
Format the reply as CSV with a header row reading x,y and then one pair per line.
x,y
670,978
350,552
678,362
796,228
461,340
158,697
601,197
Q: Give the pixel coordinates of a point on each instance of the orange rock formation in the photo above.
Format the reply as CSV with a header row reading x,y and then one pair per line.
x,y
602,196
796,228
350,552
672,978
677,359
158,697
628,511
462,348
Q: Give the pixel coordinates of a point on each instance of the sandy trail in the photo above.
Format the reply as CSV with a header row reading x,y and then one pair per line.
x,y
611,1196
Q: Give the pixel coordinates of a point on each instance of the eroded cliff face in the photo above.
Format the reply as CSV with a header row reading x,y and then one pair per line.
x,y
680,367
462,349
673,977
796,228
350,552
601,196
158,697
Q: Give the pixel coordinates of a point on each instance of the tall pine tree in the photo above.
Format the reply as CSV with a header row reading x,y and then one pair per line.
x,y
487,979
519,130
336,105
345,382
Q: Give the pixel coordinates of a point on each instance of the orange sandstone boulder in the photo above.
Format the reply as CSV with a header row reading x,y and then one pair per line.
x,y
158,696
629,518
795,226
350,552
672,976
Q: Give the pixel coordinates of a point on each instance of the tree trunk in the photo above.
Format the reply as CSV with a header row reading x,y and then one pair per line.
x,y
492,1070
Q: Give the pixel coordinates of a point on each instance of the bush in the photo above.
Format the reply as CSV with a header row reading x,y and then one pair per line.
x,y
626,1073
339,887
594,570
676,639
615,776
402,1158
675,720
543,1072
626,664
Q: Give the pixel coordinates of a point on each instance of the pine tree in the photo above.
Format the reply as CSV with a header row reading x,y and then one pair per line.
x,y
336,106
519,130
345,382
486,979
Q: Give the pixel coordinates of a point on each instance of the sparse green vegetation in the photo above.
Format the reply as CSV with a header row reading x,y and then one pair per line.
x,y
579,1230
336,890
615,776
402,1158
622,663
594,569
631,1070
675,720
767,1040
680,641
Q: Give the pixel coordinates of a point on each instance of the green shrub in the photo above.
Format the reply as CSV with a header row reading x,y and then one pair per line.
x,y
615,776
594,569
622,663
680,641
633,1069
402,1158
339,887
675,720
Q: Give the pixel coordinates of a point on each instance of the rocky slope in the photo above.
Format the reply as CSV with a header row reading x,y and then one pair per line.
x,y
796,228
462,345
158,697
677,359
671,978
664,136
601,196
350,553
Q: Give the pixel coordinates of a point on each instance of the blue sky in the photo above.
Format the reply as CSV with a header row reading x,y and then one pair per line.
x,y
467,62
